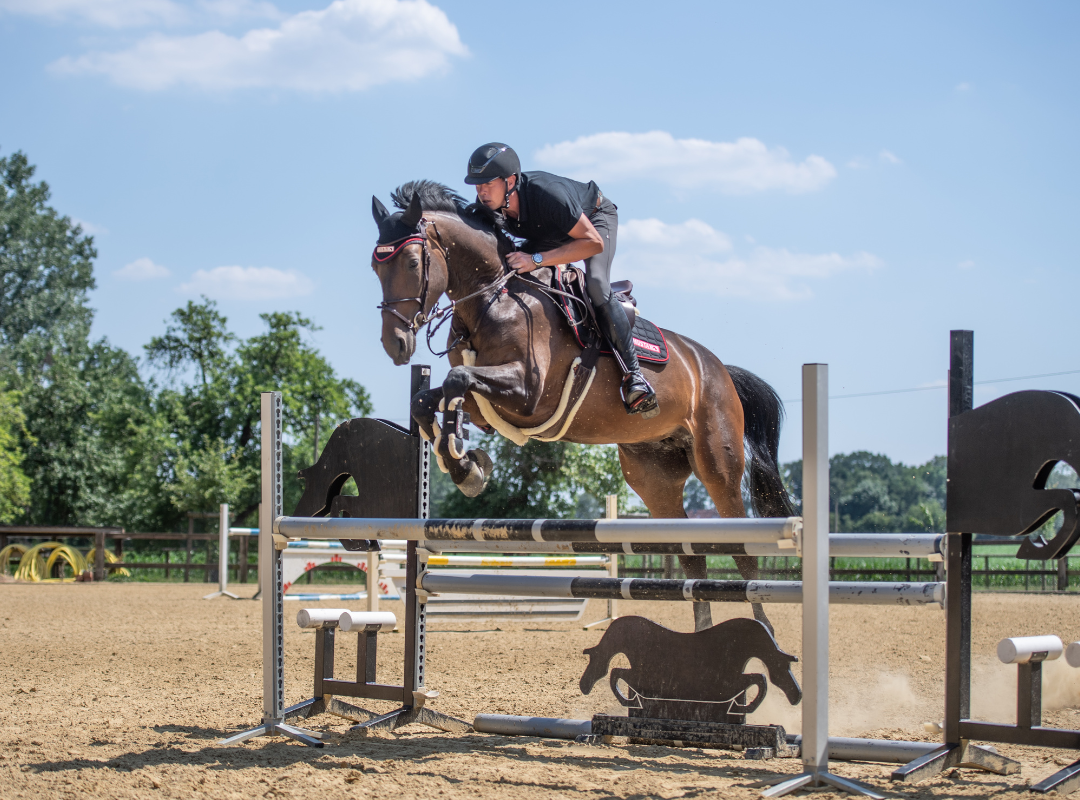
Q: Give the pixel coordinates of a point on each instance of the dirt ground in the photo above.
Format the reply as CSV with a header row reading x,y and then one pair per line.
x,y
123,690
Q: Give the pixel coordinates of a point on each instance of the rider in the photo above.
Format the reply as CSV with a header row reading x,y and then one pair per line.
x,y
562,221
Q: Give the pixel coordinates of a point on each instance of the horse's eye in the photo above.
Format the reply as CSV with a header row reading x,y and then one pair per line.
x,y
414,263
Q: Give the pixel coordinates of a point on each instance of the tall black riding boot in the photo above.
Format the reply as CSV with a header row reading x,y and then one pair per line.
x,y
638,395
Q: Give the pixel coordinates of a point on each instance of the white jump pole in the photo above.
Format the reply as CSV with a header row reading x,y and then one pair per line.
x,y
815,610
372,581
611,511
223,555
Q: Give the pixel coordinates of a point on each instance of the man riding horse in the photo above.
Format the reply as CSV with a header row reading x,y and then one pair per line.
x,y
563,221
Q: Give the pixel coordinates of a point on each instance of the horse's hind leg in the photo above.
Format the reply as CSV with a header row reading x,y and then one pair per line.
x,y
718,461
658,473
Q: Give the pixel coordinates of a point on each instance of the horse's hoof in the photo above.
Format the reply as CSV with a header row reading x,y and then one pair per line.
x,y
482,459
479,473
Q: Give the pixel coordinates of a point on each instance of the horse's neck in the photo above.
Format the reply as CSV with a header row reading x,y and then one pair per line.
x,y
472,259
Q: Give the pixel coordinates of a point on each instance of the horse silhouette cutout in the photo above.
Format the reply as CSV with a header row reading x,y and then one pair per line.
x,y
690,676
1000,457
382,460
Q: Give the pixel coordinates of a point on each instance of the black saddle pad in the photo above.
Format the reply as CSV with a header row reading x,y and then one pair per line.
x,y
649,342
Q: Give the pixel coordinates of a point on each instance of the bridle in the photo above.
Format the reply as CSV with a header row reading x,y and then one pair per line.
x,y
385,251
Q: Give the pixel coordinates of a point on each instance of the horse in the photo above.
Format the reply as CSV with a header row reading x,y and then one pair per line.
x,y
521,351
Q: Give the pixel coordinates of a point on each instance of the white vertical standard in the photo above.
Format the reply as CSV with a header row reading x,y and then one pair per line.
x,y
815,607
270,577
373,580
223,555
815,568
611,511
272,584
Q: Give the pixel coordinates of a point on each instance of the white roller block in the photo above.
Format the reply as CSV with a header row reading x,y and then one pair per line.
x,y
319,617
364,620
1072,654
1024,649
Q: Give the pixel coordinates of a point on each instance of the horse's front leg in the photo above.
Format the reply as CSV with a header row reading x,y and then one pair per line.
x,y
505,383
423,408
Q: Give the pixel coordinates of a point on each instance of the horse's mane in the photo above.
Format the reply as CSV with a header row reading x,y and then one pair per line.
x,y
435,196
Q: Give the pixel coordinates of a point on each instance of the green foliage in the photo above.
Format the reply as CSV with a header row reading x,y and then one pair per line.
x,y
45,268
14,485
84,440
83,412
869,493
211,448
539,480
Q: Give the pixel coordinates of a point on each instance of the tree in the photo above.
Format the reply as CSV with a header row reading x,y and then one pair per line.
x,y
14,485
78,401
539,480
209,446
869,493
45,265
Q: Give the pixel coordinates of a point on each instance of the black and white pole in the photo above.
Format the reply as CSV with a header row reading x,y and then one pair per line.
x,y
815,610
867,593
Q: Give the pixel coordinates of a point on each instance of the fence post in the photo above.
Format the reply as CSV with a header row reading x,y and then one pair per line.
x,y
1063,574
188,543
243,556
99,556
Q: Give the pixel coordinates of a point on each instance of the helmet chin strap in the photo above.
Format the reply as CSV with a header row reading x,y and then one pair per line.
x,y
509,191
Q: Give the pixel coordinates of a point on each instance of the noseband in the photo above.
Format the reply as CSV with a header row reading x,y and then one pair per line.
x,y
388,250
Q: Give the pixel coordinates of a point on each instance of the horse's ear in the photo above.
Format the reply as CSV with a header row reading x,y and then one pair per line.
x,y
413,213
378,210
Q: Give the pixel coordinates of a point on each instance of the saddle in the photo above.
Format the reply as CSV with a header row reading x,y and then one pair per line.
x,y
649,342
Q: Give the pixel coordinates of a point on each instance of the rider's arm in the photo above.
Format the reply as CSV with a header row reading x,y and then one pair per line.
x,y
585,242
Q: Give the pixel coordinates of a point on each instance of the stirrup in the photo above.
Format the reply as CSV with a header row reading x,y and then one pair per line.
x,y
641,399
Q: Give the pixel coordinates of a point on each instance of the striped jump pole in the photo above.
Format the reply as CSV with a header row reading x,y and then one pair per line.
x,y
781,531
701,591
844,545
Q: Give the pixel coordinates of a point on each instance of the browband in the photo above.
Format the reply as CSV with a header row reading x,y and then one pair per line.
x,y
384,252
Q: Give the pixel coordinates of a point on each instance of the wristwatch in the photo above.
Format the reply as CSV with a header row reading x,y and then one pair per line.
x,y
538,258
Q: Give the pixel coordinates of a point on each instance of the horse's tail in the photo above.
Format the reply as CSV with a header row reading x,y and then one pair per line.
x,y
763,414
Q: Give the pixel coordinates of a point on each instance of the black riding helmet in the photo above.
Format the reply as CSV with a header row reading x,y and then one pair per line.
x,y
490,161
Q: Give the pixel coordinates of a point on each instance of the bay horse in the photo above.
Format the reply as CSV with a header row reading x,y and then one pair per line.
x,y
522,349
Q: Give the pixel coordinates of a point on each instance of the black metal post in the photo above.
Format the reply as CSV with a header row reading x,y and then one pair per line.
x,y
1029,694
958,574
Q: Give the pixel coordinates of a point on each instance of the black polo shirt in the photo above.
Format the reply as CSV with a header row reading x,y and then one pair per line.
x,y
549,207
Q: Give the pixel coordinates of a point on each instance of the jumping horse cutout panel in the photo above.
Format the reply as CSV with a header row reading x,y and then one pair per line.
x,y
1000,457
690,676
381,459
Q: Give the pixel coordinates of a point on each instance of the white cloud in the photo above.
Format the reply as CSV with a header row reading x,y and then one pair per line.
x,y
858,162
89,228
966,264
695,257
349,46
241,9
740,167
890,157
248,283
142,269
963,87
110,13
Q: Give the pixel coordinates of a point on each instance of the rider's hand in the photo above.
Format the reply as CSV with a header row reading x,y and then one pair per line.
x,y
520,262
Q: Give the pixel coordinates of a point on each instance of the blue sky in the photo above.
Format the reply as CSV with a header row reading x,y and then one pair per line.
x,y
832,182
